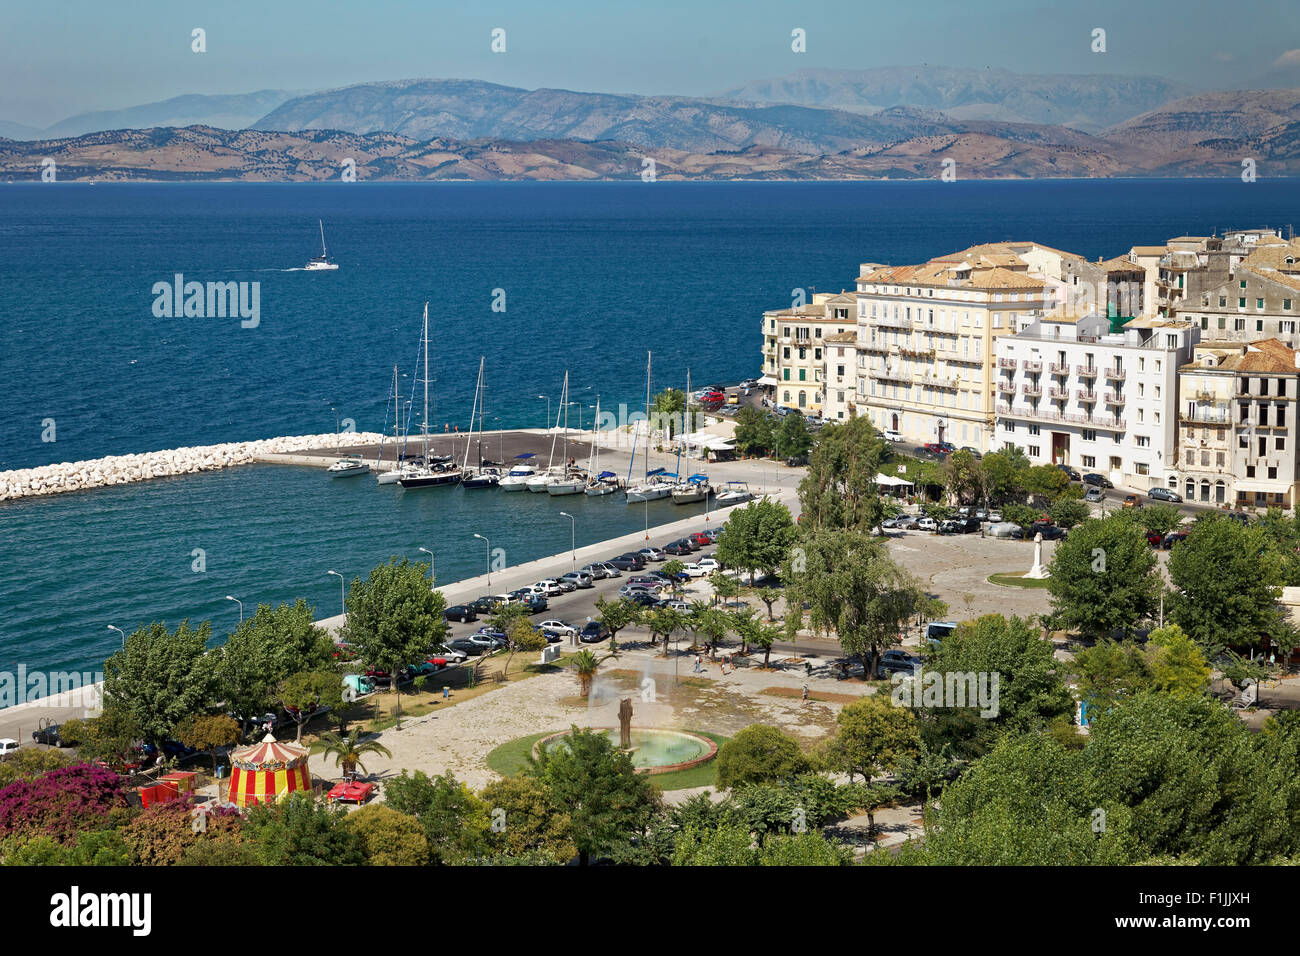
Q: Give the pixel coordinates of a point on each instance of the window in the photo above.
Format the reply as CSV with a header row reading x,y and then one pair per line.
x,y
1218,459
1008,426
1141,468
1223,323
1033,429
786,352
1223,301
1279,444
1089,461
1239,325
786,377
1143,441
1033,452
1241,304
1272,473
1259,305
1089,434
1286,304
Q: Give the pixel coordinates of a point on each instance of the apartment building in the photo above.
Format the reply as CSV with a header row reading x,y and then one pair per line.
x,y
794,348
1256,296
926,336
840,376
1072,390
1237,425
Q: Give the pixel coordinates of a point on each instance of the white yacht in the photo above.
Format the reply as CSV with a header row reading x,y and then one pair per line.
x,y
733,493
695,488
606,483
518,477
348,467
570,484
654,486
322,261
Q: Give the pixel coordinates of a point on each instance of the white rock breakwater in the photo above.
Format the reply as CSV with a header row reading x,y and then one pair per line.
x,y
122,469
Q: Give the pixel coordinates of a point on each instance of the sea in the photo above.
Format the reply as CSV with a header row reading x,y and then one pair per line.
x,y
536,278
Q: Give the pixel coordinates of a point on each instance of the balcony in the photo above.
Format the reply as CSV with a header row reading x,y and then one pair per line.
x,y
1007,363
1115,374
1069,418
939,381
1030,366
1007,388
873,347
1086,395
1208,414
890,323
1115,398
908,349
891,374
1034,391
1086,371
1058,394
1059,368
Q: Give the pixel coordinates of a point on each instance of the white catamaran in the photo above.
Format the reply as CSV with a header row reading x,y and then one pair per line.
x,y
322,261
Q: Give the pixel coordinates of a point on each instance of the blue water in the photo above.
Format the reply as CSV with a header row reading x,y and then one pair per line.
x,y
594,275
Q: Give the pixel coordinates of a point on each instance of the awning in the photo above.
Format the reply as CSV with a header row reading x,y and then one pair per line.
x,y
524,457
767,380
708,440
890,481
607,474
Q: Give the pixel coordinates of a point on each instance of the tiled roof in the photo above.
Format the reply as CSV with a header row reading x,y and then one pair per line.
x,y
1150,250
1267,355
1121,264
841,337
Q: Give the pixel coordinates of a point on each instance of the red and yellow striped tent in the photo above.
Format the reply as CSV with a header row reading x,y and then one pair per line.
x,y
268,771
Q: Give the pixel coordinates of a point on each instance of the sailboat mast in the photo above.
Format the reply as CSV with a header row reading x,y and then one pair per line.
x,y
648,356
426,385
469,439
321,223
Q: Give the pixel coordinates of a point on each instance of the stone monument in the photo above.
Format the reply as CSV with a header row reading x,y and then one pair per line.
x,y
1037,571
625,724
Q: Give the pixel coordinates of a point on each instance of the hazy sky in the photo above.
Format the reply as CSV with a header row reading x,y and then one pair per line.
x,y
60,57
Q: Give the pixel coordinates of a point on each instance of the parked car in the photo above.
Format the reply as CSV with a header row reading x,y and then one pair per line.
x,y
535,603
694,570
970,525
796,461
1096,480
678,548
1068,471
460,612
48,735
1132,501
928,524
701,538
1047,529
552,588
593,632
489,642
485,604
580,579
470,648
597,571
638,560
895,664
712,534
892,435
450,654
1155,538
1172,538
906,523
625,562
974,452
643,597
652,554
675,604
951,526
558,626
709,563
7,746
611,571
1164,494
1004,529
936,449
1094,495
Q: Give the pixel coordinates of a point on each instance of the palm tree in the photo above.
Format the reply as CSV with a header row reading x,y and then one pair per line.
x,y
585,664
348,751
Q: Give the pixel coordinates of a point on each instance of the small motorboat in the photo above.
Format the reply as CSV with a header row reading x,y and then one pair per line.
x,y
733,493
518,476
348,468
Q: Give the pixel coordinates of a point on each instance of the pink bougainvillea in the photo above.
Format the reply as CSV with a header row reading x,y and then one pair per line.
x,y
61,803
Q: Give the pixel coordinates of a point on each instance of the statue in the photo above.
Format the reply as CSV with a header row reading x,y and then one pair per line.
x,y
625,724
1037,571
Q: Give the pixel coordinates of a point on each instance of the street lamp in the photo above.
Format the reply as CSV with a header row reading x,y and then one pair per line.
x,y
241,607
120,631
548,410
343,595
489,558
432,576
573,536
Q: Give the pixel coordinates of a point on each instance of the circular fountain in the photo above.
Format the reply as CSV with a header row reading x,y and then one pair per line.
x,y
653,750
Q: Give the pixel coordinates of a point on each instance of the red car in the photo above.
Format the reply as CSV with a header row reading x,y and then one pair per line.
x,y
700,538
713,398
353,791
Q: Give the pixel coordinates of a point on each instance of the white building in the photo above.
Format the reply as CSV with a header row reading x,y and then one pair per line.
x,y
1071,391
840,376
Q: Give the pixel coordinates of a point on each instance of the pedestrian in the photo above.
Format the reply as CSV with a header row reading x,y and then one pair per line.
x,y
807,668
805,693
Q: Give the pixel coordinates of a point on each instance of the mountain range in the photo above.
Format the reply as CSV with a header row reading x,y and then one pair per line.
x,y
892,122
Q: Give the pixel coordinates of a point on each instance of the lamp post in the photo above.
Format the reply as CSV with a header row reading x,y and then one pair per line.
x,y
573,536
343,594
120,631
241,607
488,549
548,410
432,576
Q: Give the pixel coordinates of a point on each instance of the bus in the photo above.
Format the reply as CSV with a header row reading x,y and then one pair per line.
x,y
936,631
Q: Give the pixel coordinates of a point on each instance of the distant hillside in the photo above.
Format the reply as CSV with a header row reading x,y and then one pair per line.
x,y
1085,102
231,111
203,153
1229,115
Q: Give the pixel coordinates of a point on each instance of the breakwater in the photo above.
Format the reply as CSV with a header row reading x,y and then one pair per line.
x,y
124,469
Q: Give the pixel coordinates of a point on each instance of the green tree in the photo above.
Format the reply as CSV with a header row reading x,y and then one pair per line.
x,y
667,409
1046,483
394,619
840,488
607,801
520,633
1178,667
803,849
728,845
264,650
455,821
1225,589
94,848
306,693
725,587
1001,474
769,597
793,438
1110,671
1103,578
759,754
1160,518
28,763
585,666
533,824
664,622
1022,515
758,537
299,831
673,567
617,614
962,476
1068,512
209,733
754,433
161,677
709,623
348,750
106,737
853,589
387,837
871,736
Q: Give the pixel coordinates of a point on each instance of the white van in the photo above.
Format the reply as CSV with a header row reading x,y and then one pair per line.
x,y
892,435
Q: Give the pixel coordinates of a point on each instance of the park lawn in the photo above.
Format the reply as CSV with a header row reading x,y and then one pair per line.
x,y
817,695
1017,579
512,756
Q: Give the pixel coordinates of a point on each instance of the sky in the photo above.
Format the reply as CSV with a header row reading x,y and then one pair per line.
x,y
65,57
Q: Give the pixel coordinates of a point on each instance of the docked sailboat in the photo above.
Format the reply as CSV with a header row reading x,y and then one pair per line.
x,y
519,474
572,480
653,485
433,472
538,482
482,476
695,488
321,262
604,482
393,476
